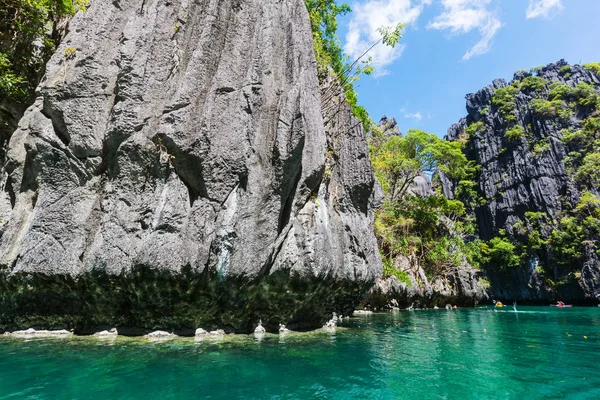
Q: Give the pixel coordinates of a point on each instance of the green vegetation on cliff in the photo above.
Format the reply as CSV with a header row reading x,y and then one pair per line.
x,y
431,227
331,57
29,32
549,125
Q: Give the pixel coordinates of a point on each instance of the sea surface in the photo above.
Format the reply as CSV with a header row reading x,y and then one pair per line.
x,y
479,353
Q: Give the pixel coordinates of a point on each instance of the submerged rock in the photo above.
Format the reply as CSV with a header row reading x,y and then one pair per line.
x,y
41,333
161,335
110,333
260,329
173,172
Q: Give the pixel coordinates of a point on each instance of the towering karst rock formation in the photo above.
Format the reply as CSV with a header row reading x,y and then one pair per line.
x,y
530,138
178,170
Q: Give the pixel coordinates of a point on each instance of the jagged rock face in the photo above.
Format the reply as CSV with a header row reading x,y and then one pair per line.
x,y
172,174
389,127
515,178
458,286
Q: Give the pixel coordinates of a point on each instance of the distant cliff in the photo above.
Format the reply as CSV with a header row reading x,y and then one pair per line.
x,y
179,170
536,143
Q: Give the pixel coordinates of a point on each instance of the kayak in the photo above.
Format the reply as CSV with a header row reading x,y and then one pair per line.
x,y
563,306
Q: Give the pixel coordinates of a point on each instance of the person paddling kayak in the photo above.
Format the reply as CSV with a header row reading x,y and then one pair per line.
x,y
560,304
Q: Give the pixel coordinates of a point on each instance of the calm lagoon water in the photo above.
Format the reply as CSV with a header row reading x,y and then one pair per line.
x,y
463,354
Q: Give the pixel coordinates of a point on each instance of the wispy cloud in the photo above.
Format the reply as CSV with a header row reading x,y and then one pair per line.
x,y
543,8
416,116
369,15
463,16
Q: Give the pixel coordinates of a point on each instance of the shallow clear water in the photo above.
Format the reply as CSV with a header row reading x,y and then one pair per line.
x,y
463,354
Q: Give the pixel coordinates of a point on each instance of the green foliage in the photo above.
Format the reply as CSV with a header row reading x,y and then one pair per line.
x,y
565,69
586,95
569,238
569,234
11,84
559,91
391,36
323,19
400,160
24,25
594,67
474,128
541,147
535,70
515,133
589,171
390,270
433,227
504,101
536,218
500,253
587,143
549,109
328,51
329,54
534,83
70,53
588,206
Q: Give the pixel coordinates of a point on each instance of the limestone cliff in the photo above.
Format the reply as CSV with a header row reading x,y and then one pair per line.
x,y
529,138
178,170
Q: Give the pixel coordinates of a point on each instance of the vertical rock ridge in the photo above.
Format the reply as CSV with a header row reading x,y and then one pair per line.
x,y
172,175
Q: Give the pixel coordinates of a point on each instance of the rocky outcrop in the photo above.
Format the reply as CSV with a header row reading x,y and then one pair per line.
x,y
389,127
172,174
459,286
528,174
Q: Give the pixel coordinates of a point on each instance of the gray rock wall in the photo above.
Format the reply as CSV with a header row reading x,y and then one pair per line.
x,y
515,179
172,173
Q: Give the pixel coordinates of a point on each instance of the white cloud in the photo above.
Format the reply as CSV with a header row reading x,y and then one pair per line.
x,y
463,16
369,15
543,8
416,116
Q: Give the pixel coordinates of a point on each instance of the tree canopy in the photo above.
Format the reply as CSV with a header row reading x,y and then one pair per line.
x,y
28,37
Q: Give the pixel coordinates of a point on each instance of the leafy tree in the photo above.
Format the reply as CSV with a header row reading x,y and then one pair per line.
x,y
504,101
534,83
515,133
400,160
329,54
594,67
589,172
28,36
432,227
501,253
323,19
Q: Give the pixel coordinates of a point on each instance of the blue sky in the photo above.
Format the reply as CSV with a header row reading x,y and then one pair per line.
x,y
454,47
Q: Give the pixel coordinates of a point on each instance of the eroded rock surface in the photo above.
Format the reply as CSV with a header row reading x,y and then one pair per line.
x,y
459,286
530,174
172,174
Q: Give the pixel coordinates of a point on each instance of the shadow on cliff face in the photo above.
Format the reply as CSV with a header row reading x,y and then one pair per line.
x,y
147,299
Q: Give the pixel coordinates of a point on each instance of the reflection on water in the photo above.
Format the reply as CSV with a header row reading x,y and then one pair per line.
x,y
463,354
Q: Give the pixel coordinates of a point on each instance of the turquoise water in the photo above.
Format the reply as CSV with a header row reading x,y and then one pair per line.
x,y
462,354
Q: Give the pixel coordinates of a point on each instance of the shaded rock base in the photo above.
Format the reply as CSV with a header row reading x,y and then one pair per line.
x,y
145,300
460,287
